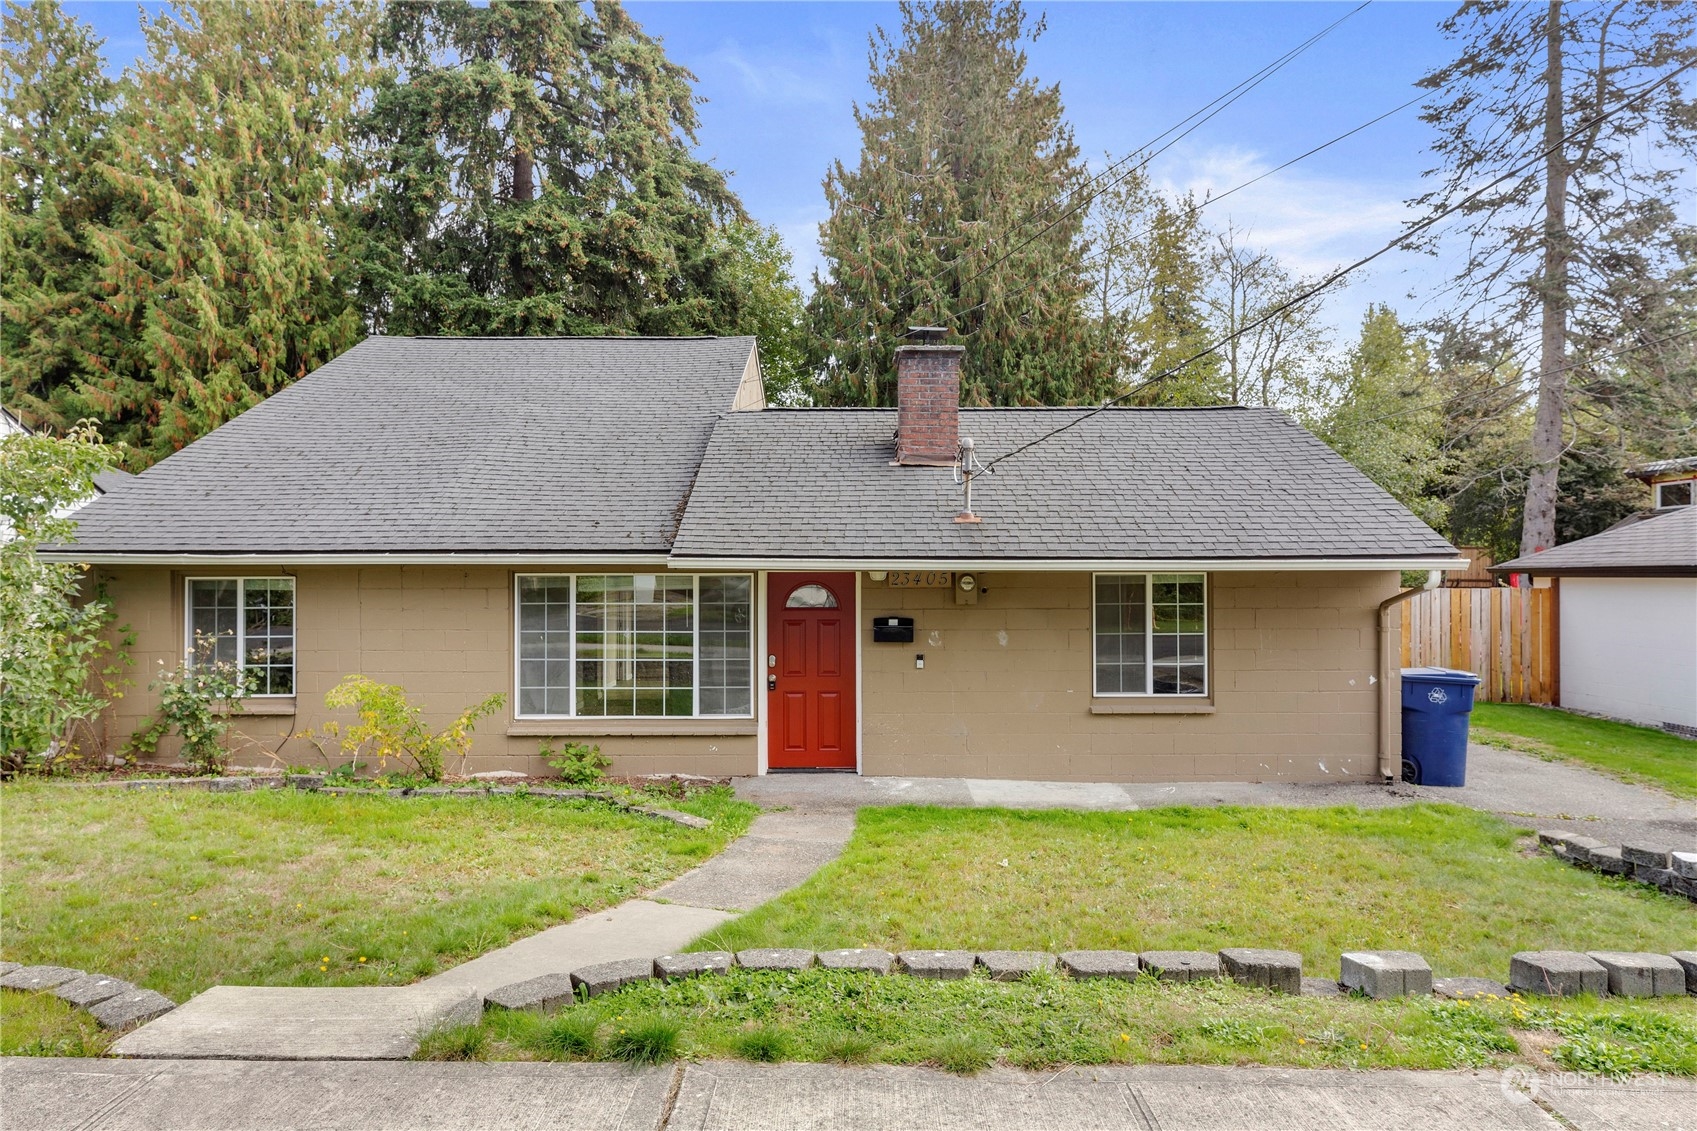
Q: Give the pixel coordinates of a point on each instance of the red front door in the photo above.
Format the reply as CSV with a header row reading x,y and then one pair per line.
x,y
810,717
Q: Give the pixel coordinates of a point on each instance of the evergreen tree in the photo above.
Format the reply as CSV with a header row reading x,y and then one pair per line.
x,y
963,212
1576,256
1386,416
1172,324
229,164
534,176
54,131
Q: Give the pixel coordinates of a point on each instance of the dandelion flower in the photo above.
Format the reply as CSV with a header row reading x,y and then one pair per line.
x,y
192,918
362,958
1302,1040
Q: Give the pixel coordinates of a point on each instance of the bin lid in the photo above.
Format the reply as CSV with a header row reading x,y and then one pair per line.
x,y
1440,675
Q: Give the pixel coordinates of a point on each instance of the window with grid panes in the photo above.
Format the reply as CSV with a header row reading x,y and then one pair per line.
x,y
635,645
1151,634
247,621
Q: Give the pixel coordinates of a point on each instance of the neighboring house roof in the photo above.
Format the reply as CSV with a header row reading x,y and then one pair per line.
x,y
1124,484
10,424
108,481
1662,466
1653,544
445,445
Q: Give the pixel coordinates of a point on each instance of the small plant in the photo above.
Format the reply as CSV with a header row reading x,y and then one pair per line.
x,y
846,1048
390,726
766,1045
568,1036
460,1042
652,1040
194,701
1231,1031
960,1054
579,764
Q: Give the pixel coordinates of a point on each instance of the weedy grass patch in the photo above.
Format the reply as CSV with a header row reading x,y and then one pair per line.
x,y
180,890
1050,1020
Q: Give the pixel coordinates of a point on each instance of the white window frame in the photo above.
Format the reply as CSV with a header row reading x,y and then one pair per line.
x,y
694,647
241,627
1149,691
1688,484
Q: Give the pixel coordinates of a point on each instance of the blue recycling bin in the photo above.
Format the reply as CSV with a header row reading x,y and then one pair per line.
x,y
1436,705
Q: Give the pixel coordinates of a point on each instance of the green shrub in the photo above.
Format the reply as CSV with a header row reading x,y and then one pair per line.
x,y
579,764
390,726
194,702
568,1036
651,1040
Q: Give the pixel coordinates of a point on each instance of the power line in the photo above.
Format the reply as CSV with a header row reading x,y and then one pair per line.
x,y
1411,231
1195,121
1196,209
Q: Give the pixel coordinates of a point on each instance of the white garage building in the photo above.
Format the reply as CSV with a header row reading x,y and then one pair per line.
x,y
1627,602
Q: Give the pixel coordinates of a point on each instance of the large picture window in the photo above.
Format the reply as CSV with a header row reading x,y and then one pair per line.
x,y
635,645
1151,634
246,621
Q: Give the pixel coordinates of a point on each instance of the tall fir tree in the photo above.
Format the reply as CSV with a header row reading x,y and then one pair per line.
x,y
55,130
1385,414
534,176
963,211
231,165
1579,255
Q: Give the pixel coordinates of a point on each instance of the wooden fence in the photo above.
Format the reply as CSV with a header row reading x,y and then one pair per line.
x,y
1506,636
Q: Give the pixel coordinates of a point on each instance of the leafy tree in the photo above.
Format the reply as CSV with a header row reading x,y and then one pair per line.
x,y
54,669
54,133
1580,254
765,302
964,211
534,176
1385,416
230,160
1266,358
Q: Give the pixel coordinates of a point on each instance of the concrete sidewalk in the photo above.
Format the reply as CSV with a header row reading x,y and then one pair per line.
x,y
1530,790
189,1095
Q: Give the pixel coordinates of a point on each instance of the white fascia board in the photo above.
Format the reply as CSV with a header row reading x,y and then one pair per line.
x,y
1061,565
360,559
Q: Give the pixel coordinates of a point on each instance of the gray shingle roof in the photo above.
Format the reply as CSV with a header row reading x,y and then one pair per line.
x,y
443,445
1653,543
1226,483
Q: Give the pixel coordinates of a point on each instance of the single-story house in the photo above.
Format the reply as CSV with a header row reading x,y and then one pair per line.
x,y
1626,603
624,539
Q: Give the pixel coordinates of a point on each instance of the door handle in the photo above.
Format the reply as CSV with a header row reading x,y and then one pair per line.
x,y
771,683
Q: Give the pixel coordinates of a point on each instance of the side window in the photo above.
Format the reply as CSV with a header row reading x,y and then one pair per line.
x,y
246,621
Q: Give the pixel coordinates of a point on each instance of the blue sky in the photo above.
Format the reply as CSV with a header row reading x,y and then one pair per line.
x,y
780,81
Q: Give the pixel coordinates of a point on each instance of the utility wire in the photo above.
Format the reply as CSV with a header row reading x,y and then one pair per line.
x,y
1196,209
1408,233
1189,125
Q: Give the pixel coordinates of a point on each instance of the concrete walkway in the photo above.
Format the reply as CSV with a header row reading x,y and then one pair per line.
x,y
779,851
188,1095
1528,789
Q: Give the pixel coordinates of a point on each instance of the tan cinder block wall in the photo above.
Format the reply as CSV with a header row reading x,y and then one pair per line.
x,y
444,633
1006,691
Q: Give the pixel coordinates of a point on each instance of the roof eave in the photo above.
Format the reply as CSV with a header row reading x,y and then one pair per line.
x,y
1050,565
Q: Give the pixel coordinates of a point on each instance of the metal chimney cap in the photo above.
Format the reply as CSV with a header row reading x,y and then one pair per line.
x,y
927,335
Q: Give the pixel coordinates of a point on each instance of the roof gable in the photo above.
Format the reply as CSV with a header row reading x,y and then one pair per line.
x,y
445,445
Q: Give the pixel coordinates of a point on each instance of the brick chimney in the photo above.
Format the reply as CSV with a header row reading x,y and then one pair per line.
x,y
927,399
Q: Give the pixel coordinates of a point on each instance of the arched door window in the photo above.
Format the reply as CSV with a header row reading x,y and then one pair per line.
x,y
811,597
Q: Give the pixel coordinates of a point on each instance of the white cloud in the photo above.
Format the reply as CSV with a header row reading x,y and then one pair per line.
x,y
772,81
1314,222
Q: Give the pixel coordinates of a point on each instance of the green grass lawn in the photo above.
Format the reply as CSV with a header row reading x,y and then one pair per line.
x,y
1633,753
180,890
1461,887
1450,883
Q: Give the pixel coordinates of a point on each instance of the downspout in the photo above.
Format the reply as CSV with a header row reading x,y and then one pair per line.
x,y
1390,689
